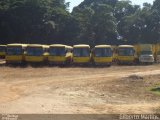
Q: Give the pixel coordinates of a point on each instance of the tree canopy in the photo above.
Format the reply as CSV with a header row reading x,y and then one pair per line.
x,y
92,22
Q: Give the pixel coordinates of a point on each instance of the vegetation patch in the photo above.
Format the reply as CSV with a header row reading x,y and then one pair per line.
x,y
155,90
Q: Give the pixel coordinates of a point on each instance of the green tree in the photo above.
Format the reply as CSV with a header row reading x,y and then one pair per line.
x,y
92,22
33,21
96,21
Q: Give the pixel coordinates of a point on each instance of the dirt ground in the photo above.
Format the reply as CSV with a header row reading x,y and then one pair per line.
x,y
82,90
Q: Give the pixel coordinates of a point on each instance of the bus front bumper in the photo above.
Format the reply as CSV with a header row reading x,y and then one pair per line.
x,y
81,60
103,61
14,59
56,59
34,59
126,59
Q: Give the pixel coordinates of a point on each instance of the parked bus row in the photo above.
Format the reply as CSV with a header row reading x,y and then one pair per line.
x,y
80,54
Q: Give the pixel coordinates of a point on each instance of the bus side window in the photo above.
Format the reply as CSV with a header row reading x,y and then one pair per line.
x,y
93,52
23,49
5,49
116,51
69,50
111,52
45,49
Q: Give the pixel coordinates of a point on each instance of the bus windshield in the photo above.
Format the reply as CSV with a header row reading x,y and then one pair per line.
x,y
34,51
14,51
126,52
59,51
146,53
103,52
81,52
2,49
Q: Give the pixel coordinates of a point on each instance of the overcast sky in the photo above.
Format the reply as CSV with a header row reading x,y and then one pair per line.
x,y
74,3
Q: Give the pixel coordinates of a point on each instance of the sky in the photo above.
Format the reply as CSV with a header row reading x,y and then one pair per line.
x,y
74,3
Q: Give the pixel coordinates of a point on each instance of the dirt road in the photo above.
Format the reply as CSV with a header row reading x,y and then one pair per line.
x,y
118,89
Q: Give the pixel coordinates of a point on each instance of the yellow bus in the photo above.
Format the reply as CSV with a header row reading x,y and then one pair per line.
x,y
81,54
60,54
15,53
36,53
102,54
2,51
157,52
125,54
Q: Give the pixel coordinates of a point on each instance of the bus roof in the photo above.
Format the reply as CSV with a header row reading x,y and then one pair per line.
x,y
60,45
17,44
37,45
2,45
126,46
67,46
103,46
81,45
57,45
